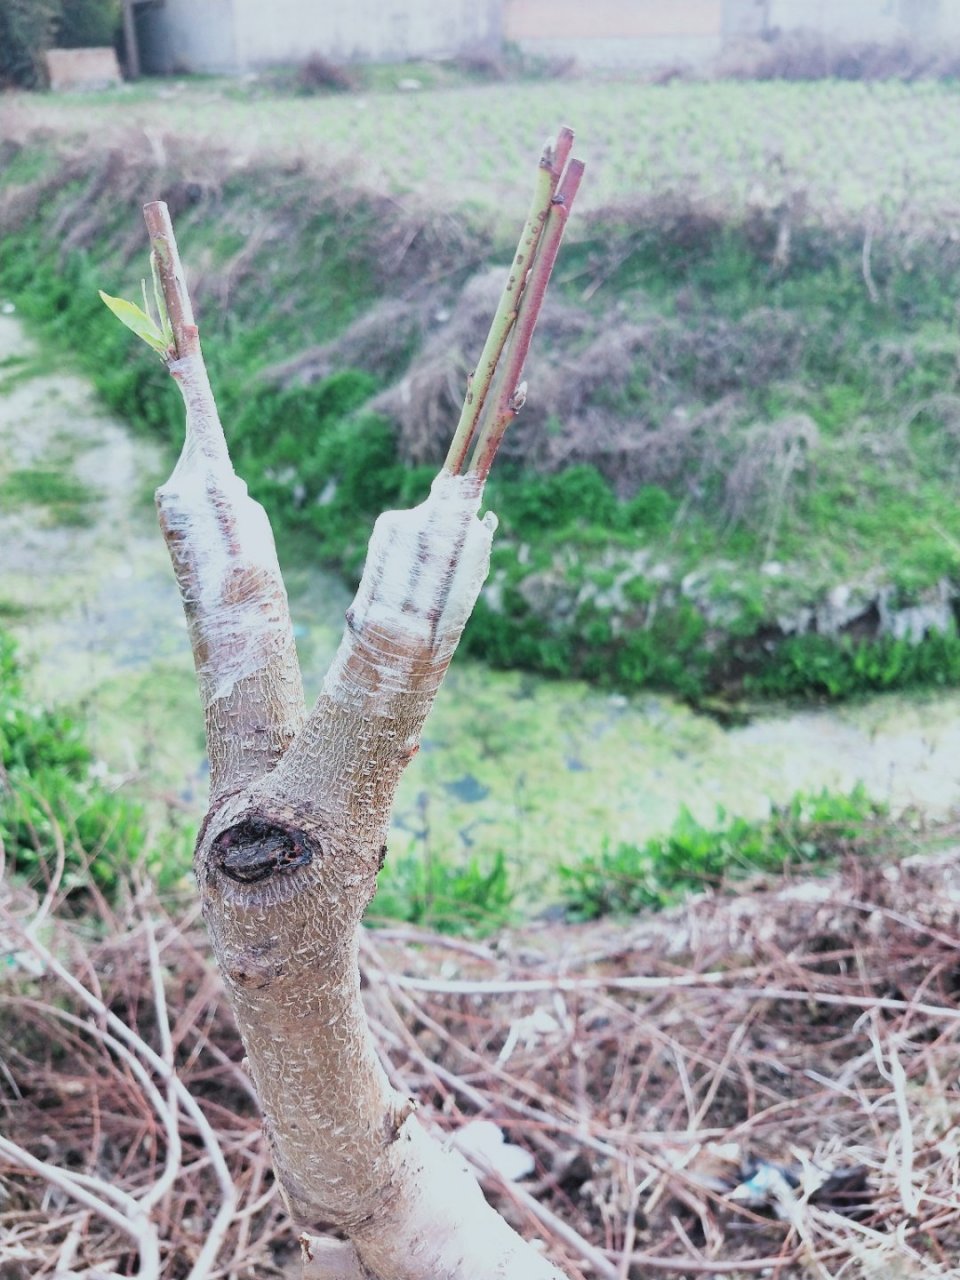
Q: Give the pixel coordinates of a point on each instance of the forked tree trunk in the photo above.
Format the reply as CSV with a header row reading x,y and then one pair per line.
x,y
288,854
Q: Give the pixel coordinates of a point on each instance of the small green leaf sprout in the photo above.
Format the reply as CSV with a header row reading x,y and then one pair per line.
x,y
157,334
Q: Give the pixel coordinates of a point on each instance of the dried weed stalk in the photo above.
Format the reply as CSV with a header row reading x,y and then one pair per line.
x,y
811,1029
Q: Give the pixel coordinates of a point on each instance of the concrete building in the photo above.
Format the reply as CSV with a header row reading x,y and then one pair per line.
x,y
926,21
616,33
234,36
650,33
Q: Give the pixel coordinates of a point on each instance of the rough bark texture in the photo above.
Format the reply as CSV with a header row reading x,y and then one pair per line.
x,y
286,863
288,854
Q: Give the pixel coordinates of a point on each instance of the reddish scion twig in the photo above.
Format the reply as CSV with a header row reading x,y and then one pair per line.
x,y
511,391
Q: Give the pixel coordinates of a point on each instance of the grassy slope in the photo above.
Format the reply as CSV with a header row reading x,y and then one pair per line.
x,y
676,581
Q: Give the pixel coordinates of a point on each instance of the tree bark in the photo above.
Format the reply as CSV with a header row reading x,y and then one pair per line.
x,y
288,854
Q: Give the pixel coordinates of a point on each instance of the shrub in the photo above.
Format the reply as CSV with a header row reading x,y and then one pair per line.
x,y
319,75
87,22
27,29
626,878
807,55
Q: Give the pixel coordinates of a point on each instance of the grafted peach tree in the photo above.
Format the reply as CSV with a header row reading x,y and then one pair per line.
x,y
288,853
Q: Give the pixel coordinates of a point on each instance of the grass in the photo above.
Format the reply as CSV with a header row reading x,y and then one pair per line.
x,y
477,896
66,499
53,798
720,431
808,832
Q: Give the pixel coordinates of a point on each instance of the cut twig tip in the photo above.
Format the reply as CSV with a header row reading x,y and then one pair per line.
x,y
570,182
556,151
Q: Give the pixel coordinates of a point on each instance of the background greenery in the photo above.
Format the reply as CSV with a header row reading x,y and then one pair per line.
x,y
28,28
54,803
759,272
62,814
746,396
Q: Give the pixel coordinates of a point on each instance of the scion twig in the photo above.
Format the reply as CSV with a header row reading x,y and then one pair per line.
x,y
516,314
166,261
511,391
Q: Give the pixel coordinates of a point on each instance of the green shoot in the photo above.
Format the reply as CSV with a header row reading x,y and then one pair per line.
x,y
503,320
139,320
160,299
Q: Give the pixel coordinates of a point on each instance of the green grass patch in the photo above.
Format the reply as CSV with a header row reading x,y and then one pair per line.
x,y
51,796
14,610
67,500
473,897
808,832
22,165
820,667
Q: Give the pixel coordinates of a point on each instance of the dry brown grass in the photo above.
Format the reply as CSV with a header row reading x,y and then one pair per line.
x,y
762,479
695,437
404,247
380,339
648,1066
807,55
318,75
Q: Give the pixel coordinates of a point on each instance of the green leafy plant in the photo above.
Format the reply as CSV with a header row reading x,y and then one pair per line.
x,y
27,30
473,897
156,333
84,23
51,795
809,830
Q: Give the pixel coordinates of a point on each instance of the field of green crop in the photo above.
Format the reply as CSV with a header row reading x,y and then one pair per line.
x,y
851,150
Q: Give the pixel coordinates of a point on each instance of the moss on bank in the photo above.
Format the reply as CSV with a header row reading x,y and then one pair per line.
x,y
62,817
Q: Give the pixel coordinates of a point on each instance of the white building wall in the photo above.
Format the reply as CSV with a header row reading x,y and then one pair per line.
x,y
625,53
187,35
638,33
921,21
933,20
288,31
866,20
242,35
616,33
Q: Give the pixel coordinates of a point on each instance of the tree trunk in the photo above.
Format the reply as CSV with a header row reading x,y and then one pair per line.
x,y
288,853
